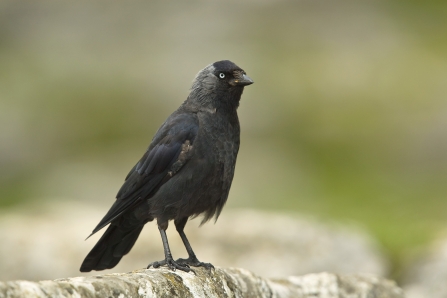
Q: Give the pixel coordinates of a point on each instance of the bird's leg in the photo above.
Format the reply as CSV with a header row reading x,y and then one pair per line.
x,y
192,259
169,261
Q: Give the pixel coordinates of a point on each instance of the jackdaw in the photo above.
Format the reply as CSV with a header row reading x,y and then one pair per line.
x,y
186,171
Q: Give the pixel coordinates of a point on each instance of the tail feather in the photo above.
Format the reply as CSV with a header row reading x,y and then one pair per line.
x,y
127,243
113,245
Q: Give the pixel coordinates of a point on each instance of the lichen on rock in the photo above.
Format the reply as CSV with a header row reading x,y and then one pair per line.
x,y
218,283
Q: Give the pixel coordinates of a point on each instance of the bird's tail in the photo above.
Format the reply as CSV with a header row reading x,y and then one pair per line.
x,y
113,245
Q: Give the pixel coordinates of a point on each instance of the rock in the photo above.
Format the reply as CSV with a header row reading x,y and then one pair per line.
x,y
217,283
427,276
48,242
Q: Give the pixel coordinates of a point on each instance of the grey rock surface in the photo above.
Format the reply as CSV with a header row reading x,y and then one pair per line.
x,y
219,283
427,276
48,242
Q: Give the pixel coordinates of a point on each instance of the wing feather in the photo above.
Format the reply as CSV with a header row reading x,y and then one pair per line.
x,y
152,169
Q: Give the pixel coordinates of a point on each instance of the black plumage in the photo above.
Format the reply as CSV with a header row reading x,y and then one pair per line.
x,y
186,171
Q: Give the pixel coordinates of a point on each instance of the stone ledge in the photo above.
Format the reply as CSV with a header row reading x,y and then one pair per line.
x,y
221,282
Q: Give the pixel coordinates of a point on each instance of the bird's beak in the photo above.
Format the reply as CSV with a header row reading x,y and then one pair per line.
x,y
244,81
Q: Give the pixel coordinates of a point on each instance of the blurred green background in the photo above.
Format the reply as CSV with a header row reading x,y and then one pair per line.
x,y
347,118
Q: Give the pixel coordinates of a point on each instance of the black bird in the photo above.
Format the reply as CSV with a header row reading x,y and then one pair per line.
x,y
186,171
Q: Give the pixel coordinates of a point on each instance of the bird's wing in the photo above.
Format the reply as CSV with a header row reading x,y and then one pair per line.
x,y
169,151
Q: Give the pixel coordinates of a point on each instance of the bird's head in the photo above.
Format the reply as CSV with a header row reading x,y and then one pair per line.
x,y
220,83
229,74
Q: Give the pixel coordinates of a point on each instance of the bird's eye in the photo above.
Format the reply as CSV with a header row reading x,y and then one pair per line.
x,y
221,75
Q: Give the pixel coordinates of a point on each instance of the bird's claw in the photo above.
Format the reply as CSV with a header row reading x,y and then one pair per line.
x,y
156,264
173,265
194,262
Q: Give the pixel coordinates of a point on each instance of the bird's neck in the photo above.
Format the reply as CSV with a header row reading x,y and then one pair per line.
x,y
227,102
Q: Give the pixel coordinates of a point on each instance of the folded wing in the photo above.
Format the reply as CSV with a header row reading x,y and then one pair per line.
x,y
160,162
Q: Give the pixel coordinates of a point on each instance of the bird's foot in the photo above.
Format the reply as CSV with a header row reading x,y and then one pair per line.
x,y
173,265
193,261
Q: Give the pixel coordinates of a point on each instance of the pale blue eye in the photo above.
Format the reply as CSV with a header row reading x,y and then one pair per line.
x,y
221,75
